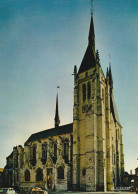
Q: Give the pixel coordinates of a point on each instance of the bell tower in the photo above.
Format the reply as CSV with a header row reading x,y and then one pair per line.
x,y
89,147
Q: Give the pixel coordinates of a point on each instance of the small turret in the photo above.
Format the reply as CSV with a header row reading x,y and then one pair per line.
x,y
107,73
57,119
75,73
97,57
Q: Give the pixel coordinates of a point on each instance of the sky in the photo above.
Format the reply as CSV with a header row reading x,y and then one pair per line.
x,y
40,42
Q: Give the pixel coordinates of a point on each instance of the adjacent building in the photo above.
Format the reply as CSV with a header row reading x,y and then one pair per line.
x,y
1,177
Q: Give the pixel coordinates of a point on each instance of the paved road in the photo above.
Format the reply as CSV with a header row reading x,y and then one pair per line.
x,y
70,192
87,192
108,192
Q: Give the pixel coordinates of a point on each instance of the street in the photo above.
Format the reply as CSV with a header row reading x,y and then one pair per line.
x,y
69,192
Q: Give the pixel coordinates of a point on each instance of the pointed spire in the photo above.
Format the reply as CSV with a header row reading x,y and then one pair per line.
x,y
107,73
57,119
89,59
91,37
110,77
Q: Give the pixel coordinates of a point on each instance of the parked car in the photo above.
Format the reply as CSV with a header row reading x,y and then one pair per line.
x,y
11,191
38,191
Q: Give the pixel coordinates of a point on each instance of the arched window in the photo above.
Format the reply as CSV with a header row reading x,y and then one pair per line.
x,y
27,175
44,151
89,90
33,152
39,175
60,172
84,92
66,148
55,150
17,176
113,155
84,172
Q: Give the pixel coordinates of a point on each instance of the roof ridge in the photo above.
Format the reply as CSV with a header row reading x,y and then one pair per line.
x,y
52,128
68,128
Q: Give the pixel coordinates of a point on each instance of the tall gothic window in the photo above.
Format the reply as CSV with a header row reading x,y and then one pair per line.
x,y
118,133
17,176
55,150
33,152
27,175
103,95
84,172
44,151
84,92
113,155
66,148
39,175
60,172
89,90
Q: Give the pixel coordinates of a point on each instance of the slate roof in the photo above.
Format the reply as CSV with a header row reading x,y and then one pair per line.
x,y
114,109
64,129
88,61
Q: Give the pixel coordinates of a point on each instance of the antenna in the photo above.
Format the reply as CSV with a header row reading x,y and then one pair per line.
x,y
58,88
92,8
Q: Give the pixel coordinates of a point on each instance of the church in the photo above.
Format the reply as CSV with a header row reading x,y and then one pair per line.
x,y
86,155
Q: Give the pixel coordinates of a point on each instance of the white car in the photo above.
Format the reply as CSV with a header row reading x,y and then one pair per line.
x,y
10,191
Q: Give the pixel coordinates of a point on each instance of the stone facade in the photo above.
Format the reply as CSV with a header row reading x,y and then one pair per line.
x,y
97,135
84,155
49,163
44,163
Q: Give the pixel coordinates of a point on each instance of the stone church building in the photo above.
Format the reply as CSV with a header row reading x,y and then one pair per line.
x,y
85,155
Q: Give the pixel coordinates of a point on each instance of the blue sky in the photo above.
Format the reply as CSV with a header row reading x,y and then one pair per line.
x,y
40,42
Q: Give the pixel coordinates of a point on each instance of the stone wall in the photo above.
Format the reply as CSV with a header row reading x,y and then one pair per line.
x,y
49,166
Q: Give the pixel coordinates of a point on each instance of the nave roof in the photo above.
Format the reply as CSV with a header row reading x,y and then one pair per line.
x,y
64,129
